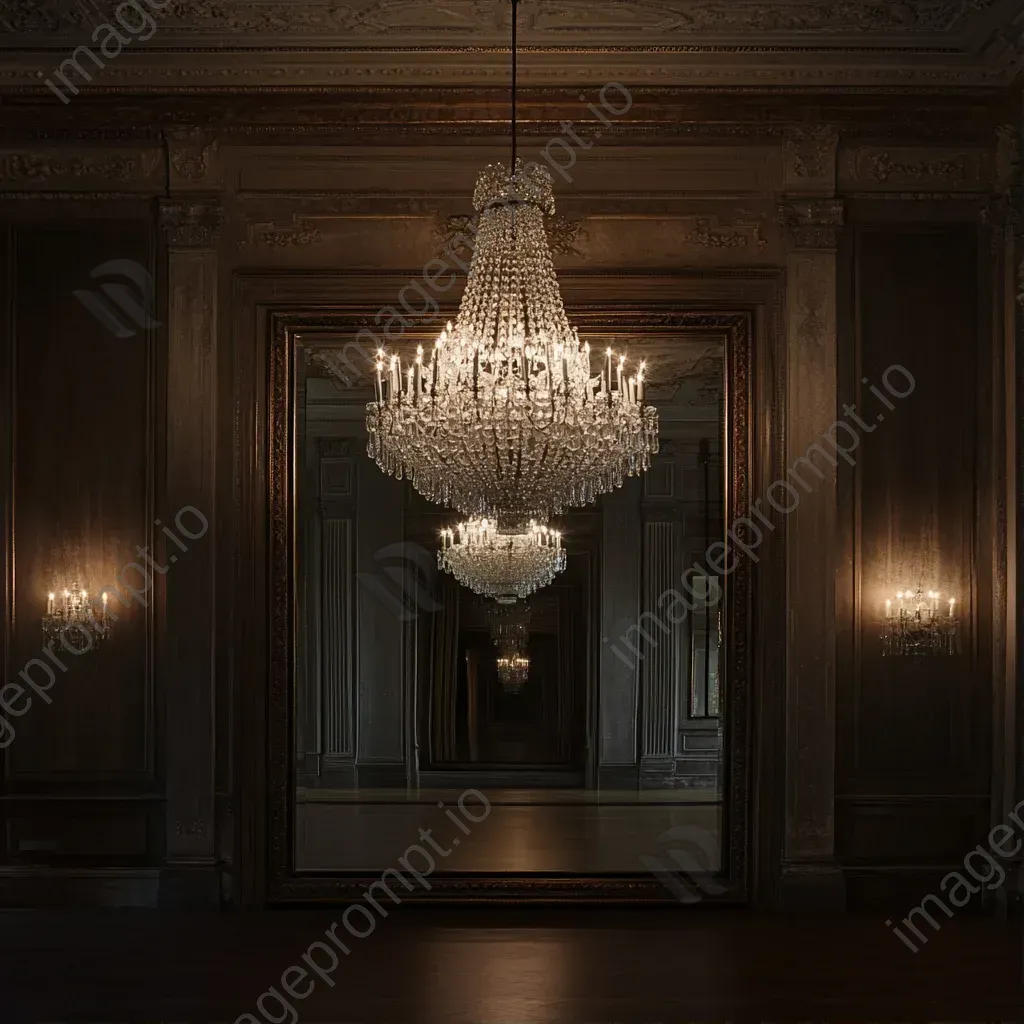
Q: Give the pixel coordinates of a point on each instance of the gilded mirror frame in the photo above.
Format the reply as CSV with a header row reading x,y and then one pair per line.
x,y
282,882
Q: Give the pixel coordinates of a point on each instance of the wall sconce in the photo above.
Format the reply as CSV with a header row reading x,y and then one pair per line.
x,y
71,621
920,624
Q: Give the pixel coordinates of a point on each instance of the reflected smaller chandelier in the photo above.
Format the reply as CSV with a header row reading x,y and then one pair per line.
x,y
72,622
513,671
920,624
501,564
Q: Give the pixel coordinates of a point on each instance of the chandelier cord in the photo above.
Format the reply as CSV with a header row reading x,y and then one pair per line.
x,y
514,77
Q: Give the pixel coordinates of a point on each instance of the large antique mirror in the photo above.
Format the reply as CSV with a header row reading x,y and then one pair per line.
x,y
588,740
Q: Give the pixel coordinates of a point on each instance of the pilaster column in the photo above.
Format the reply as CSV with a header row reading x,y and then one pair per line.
x,y
810,875
185,664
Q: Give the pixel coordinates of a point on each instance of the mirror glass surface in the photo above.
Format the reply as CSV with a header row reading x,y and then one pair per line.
x,y
605,756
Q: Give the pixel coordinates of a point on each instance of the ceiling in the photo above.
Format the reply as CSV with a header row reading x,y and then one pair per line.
x,y
248,44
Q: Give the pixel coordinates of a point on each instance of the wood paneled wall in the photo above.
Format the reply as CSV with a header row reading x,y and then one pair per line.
x,y
914,735
81,776
734,203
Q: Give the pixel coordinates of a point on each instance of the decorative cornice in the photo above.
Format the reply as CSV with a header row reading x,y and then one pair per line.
x,y
813,223
191,223
486,21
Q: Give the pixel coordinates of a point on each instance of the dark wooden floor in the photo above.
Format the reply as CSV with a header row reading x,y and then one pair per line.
x,y
424,966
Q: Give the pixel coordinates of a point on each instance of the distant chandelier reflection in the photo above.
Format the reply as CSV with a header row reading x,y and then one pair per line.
x,y
500,563
71,621
513,671
506,417
921,624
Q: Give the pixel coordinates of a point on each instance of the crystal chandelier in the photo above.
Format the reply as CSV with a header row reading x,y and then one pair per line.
x,y
499,563
506,417
71,621
918,626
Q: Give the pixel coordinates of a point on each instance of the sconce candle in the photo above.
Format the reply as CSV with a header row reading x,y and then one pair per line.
x,y
71,621
920,631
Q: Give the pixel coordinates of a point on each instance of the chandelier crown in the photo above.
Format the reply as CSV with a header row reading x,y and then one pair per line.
x,y
528,183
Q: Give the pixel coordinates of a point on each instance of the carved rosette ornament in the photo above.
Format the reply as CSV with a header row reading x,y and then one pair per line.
x,y
813,223
191,224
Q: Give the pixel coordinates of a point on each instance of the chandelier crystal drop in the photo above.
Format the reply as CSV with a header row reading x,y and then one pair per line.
x,y
501,564
506,417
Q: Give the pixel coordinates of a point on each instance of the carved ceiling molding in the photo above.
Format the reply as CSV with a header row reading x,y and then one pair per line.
x,y
486,21
749,67
317,44
371,114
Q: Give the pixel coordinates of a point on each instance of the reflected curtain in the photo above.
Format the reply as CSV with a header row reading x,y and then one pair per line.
x,y
444,673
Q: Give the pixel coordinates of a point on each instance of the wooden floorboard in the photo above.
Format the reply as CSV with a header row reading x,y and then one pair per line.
x,y
485,966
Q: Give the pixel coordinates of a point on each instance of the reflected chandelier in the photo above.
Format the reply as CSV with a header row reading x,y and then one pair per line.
x,y
498,563
506,417
513,671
